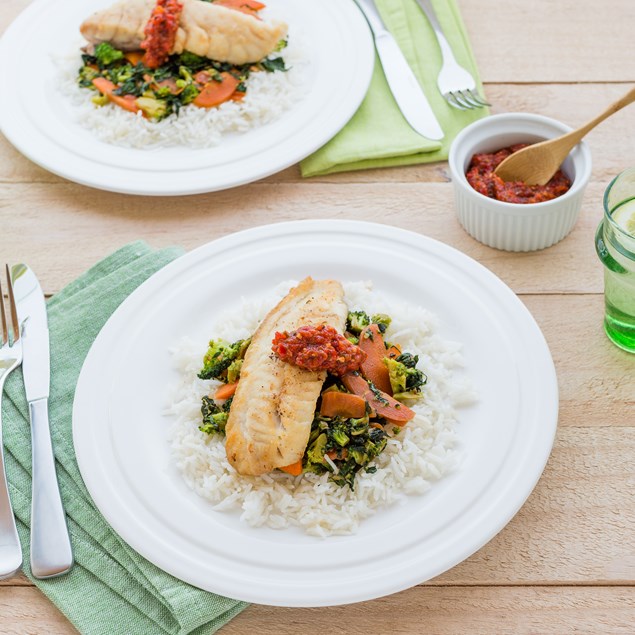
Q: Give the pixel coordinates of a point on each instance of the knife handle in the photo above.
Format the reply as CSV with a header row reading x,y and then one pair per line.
x,y
51,553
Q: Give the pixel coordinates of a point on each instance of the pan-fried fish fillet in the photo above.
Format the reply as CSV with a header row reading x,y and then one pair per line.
x,y
272,411
209,30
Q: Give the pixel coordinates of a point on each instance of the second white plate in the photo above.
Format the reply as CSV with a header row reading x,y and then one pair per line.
x,y
121,442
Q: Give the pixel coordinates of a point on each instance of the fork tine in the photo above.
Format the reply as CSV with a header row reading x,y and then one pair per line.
x,y
452,100
14,311
466,96
477,98
5,334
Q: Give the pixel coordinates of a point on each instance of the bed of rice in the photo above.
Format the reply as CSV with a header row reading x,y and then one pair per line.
x,y
423,452
268,96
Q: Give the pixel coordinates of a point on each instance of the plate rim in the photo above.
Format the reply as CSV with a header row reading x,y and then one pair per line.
x,y
545,444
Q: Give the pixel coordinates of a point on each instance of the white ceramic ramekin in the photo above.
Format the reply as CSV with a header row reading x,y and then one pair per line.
x,y
512,226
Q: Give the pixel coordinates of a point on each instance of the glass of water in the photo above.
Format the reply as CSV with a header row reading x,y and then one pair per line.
x,y
615,246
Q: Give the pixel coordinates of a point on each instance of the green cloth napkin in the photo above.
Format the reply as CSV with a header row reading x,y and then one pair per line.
x,y
378,135
111,590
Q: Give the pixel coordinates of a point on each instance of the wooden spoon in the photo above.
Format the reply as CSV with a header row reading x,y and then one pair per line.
x,y
537,163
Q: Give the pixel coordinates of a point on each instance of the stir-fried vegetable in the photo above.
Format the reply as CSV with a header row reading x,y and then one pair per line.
x,y
356,413
124,79
405,378
223,360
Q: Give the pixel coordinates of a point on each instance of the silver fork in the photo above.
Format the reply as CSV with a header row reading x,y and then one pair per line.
x,y
10,359
455,83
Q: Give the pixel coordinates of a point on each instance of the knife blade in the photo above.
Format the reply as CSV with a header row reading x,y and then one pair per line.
x,y
51,553
403,84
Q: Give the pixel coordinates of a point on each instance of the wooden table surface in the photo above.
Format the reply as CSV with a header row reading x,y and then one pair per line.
x,y
566,562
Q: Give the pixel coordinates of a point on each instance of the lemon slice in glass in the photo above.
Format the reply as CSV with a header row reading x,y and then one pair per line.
x,y
624,216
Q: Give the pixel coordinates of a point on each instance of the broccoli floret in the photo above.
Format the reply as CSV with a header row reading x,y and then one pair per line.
x,y
105,54
405,381
233,372
86,76
338,435
408,359
382,320
189,94
220,356
315,453
214,419
356,321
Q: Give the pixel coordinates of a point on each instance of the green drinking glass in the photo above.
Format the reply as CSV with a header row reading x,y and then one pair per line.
x,y
615,246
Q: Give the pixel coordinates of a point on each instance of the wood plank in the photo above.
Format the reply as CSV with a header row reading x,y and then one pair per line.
x,y
53,219
454,611
441,610
595,377
546,41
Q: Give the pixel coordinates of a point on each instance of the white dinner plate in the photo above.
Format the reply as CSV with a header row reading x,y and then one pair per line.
x,y
38,120
121,442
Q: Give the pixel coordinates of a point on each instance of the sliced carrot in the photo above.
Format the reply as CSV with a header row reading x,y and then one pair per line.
x,y
226,391
342,404
215,93
393,352
382,403
105,86
295,469
371,342
134,57
246,6
238,95
342,453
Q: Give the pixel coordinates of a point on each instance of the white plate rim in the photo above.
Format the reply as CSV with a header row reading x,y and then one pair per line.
x,y
17,127
540,450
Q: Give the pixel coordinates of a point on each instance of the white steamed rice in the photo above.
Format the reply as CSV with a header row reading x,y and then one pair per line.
x,y
268,96
421,454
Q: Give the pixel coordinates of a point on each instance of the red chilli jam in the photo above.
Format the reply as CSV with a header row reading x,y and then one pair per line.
x,y
318,348
480,175
160,32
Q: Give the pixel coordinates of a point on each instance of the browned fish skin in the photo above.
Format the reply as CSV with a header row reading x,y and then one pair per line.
x,y
209,30
272,411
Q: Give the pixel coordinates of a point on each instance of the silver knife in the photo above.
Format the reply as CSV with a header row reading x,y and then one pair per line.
x,y
403,84
51,553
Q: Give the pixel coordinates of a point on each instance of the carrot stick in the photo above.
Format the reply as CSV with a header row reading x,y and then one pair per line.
x,y
226,391
342,404
393,352
382,403
247,6
215,93
105,86
371,342
295,469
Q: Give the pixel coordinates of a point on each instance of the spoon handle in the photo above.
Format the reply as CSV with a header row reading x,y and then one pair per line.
x,y
575,136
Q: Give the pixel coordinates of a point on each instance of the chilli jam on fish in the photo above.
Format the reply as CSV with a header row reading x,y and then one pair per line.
x,y
318,348
480,175
160,32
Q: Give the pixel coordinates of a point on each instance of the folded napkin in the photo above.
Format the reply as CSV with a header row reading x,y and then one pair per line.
x,y
111,590
378,135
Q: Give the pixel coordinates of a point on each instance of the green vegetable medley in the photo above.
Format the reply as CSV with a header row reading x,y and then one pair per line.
x,y
163,91
338,445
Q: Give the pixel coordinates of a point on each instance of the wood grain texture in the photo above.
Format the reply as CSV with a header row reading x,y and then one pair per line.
x,y
105,221
422,610
566,562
